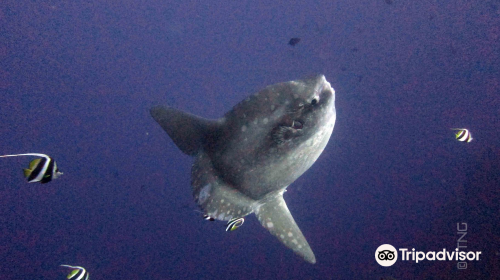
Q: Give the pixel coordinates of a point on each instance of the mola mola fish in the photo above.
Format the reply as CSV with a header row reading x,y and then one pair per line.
x,y
245,160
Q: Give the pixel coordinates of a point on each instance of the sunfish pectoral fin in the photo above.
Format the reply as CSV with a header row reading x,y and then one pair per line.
x,y
275,217
186,130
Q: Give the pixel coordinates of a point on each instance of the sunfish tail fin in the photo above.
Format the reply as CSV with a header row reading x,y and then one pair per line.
x,y
186,130
275,217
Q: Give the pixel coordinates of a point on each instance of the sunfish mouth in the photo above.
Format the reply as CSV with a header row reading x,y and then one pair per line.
x,y
291,122
296,124
287,131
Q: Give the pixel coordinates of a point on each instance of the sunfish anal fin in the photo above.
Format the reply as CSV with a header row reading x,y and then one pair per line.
x,y
274,215
214,196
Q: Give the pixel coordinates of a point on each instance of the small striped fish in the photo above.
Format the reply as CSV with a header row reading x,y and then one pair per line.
x,y
463,135
208,218
234,224
78,273
41,170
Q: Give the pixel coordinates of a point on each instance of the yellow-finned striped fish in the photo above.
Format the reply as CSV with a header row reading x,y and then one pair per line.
x,y
463,135
234,224
78,273
41,170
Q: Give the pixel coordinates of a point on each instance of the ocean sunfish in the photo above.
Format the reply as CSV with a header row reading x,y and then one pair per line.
x,y
245,160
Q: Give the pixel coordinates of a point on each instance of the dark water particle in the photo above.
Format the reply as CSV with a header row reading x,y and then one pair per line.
x,y
389,2
294,41
453,51
355,49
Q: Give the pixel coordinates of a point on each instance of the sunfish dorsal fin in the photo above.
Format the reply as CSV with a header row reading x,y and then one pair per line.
x,y
186,130
274,215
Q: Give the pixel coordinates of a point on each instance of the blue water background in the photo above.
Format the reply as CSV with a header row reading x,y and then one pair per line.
x,y
77,79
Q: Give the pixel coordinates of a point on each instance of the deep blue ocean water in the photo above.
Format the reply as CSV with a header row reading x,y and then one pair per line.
x,y
77,79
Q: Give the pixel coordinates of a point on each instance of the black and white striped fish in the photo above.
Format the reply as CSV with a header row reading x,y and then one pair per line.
x,y
78,273
208,218
463,135
41,170
234,224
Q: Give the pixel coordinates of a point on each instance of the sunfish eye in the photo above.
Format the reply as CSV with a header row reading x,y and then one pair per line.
x,y
314,101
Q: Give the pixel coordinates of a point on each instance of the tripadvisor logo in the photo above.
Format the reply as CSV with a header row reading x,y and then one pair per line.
x,y
387,255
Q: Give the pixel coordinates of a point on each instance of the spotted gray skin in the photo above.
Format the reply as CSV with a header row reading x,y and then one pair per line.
x,y
245,160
